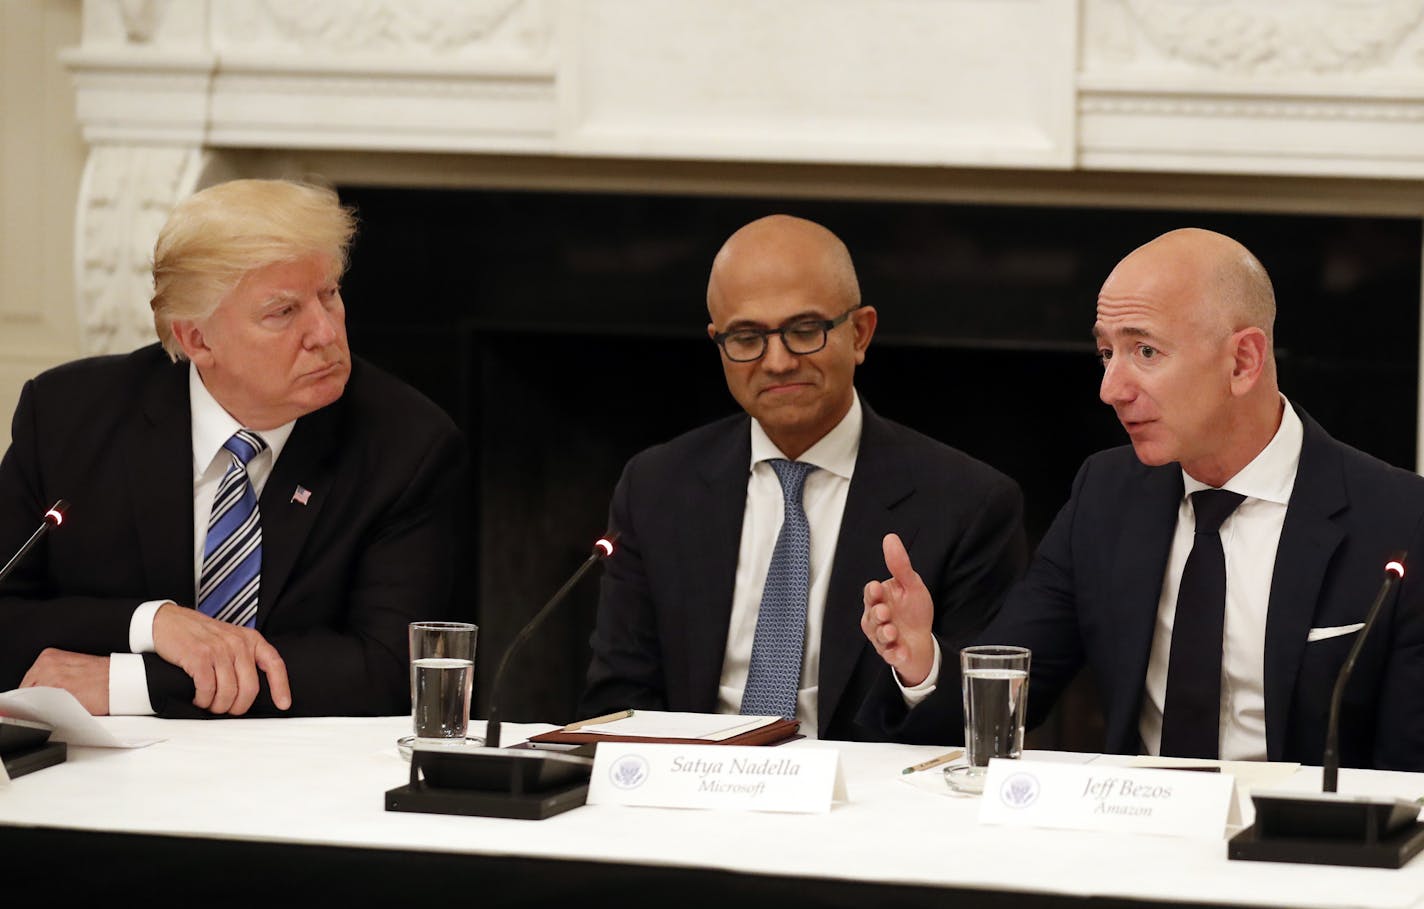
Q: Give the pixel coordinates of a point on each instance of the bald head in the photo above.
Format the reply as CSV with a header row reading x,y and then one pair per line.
x,y
785,286
1184,330
1228,286
776,247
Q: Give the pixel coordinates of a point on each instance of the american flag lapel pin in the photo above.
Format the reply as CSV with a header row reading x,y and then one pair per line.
x,y
301,495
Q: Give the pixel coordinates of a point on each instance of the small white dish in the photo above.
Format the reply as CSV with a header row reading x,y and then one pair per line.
x,y
405,743
966,780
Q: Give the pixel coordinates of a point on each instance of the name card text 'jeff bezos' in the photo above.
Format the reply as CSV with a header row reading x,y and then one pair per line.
x,y
1108,798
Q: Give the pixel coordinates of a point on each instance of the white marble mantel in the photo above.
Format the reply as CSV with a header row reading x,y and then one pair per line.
x,y
1091,95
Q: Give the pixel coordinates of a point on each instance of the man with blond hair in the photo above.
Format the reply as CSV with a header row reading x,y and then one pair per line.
x,y
255,515
745,543
1213,574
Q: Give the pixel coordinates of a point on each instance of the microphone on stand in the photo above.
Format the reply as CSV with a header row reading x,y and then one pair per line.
x,y
24,744
1331,828
1330,761
502,782
601,550
52,518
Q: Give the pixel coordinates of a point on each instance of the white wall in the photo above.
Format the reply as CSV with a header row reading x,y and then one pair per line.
x,y
41,160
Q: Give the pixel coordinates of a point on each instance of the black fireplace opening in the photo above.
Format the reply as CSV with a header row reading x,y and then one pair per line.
x,y
565,331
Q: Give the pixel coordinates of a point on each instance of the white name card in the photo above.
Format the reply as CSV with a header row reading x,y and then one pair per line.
x,y
736,777
1108,798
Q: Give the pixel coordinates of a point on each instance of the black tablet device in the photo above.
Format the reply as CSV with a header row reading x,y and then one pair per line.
x,y
501,769
20,735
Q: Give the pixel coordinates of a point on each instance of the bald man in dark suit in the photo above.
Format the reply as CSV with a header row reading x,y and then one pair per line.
x,y
1184,328
683,614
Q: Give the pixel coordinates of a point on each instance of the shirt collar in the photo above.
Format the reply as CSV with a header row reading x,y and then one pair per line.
x,y
212,425
834,452
1271,474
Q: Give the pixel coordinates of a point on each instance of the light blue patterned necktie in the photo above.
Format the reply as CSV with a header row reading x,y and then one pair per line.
x,y
775,673
232,551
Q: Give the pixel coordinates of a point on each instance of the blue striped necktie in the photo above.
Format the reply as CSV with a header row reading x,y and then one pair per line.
x,y
232,552
775,673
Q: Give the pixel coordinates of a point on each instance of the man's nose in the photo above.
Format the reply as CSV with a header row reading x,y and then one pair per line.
x,y
1117,387
777,357
320,327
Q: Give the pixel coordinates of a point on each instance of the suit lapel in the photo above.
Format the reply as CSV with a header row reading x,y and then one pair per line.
x,y
286,522
880,484
160,469
712,540
1309,538
1139,563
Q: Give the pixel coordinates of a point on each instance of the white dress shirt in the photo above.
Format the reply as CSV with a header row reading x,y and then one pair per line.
x,y
212,426
823,497
1249,539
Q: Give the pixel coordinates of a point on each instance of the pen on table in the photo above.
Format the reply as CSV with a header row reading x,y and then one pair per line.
x,y
606,718
934,761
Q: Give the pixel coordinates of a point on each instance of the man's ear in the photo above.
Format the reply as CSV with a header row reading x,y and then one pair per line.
x,y
864,319
189,335
1249,353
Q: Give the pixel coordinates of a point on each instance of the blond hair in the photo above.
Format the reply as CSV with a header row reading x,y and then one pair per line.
x,y
215,236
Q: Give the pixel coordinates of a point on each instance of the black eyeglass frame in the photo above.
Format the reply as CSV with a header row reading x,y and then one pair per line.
x,y
826,325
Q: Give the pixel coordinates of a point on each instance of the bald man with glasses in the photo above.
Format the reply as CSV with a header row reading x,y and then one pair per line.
x,y
746,543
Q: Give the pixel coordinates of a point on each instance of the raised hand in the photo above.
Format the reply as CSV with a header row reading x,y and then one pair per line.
x,y
899,616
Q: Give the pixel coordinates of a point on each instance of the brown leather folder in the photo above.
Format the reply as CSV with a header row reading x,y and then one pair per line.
x,y
770,734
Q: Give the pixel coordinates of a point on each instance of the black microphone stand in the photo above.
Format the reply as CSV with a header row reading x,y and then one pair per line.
x,y
25,745
52,518
1330,760
601,550
1331,828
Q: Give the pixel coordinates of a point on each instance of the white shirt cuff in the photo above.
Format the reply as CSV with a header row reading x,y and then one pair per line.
x,y
141,627
915,695
128,686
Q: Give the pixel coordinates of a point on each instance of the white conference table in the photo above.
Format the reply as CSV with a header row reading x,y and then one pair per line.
x,y
322,782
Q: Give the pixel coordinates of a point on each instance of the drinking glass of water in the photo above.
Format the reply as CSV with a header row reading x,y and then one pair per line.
x,y
442,674
995,681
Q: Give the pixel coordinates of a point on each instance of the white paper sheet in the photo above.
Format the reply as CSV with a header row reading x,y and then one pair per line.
x,y
62,711
662,724
1249,774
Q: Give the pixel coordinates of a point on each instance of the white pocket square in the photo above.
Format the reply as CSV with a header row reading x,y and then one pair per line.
x,y
1320,634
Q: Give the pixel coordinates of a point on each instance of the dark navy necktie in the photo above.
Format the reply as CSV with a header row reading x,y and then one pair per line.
x,y
232,552
1191,713
774,676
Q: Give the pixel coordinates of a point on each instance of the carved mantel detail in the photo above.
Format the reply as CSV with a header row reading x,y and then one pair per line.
x,y
1317,37
438,28
1316,88
166,84
127,194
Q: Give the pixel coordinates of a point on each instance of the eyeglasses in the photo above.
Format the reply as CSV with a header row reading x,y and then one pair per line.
x,y
804,336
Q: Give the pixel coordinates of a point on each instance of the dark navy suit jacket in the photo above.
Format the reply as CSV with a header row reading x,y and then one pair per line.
x,y
342,575
1090,597
666,595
